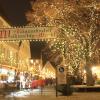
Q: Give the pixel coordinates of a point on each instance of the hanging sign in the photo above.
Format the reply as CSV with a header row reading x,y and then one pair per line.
x,y
61,75
27,33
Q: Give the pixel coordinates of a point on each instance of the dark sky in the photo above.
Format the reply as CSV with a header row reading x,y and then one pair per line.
x,y
36,48
14,11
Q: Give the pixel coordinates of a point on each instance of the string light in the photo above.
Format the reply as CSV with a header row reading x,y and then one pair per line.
x,y
77,19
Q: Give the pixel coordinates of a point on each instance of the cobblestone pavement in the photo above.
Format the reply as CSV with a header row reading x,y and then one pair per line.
x,y
49,94
75,96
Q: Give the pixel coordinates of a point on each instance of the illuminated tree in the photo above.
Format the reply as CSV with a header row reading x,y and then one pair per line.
x,y
78,24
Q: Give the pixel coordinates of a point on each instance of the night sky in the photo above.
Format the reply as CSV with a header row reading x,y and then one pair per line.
x,y
37,47
14,12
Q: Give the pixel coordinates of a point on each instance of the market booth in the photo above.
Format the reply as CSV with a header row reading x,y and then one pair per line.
x,y
7,76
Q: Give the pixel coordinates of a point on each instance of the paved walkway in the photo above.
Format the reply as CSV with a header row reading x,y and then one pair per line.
x,y
49,94
75,96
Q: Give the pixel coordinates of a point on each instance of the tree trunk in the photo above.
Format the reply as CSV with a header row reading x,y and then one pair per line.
x,y
90,80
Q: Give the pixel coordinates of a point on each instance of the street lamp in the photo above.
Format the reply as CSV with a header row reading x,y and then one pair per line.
x,y
31,61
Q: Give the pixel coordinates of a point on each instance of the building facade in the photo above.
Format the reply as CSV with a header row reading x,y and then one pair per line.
x,y
11,54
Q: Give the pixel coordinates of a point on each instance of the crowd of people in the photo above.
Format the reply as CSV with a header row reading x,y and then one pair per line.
x,y
27,81
81,79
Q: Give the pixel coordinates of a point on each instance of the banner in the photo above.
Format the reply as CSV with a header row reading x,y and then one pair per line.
x,y
27,33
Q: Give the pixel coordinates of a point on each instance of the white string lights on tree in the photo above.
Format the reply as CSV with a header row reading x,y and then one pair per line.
x,y
78,21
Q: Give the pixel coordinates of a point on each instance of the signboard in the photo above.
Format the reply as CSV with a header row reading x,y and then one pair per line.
x,y
27,33
61,75
61,69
